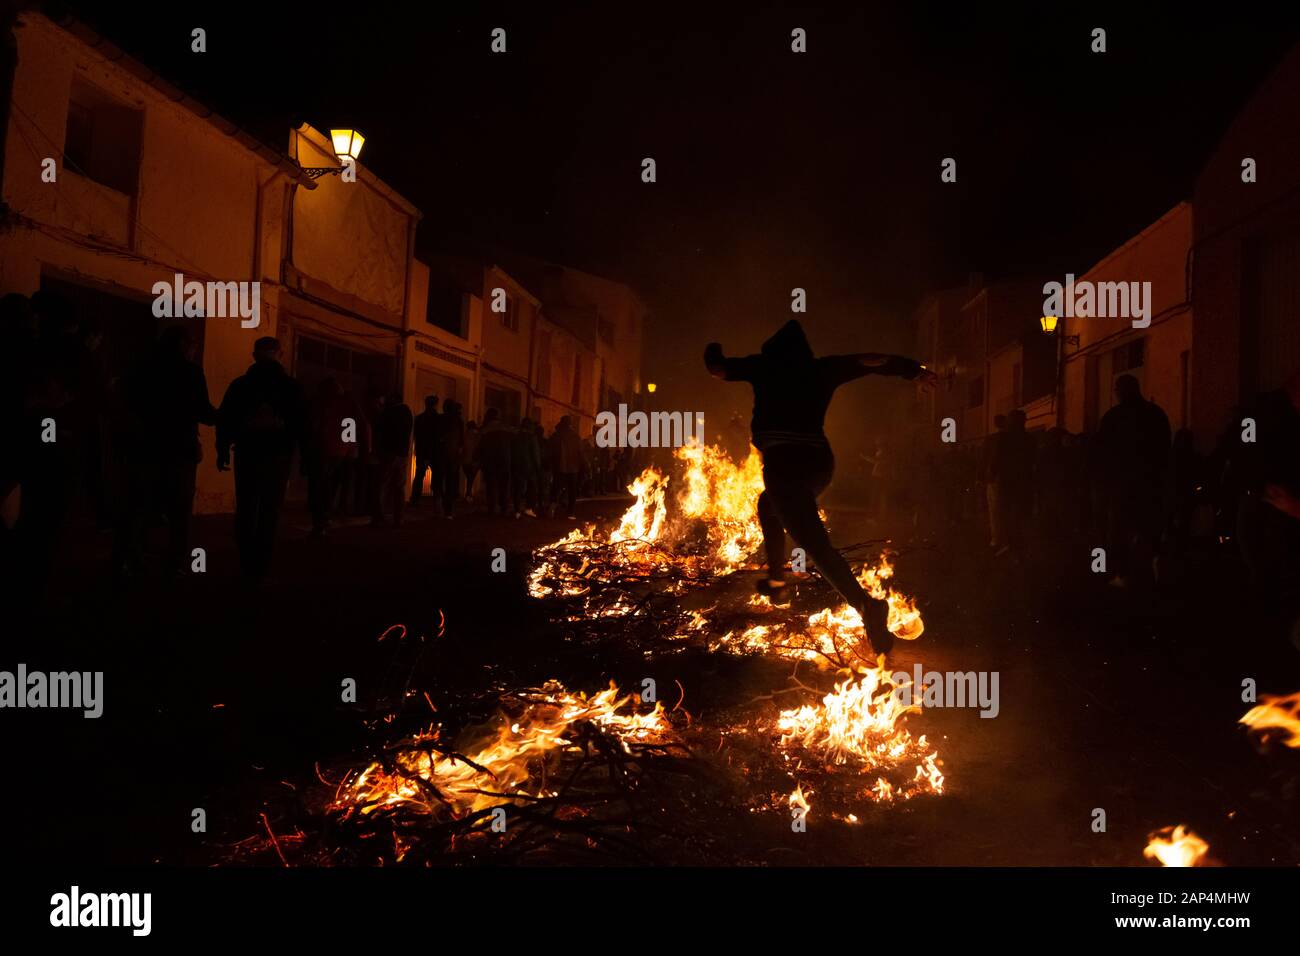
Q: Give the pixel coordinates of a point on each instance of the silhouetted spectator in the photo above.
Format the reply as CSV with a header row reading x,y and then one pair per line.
x,y
427,452
990,457
471,466
494,449
48,449
1014,478
450,454
1133,445
393,428
166,399
1056,510
566,459
263,416
792,390
525,465
1267,471
333,418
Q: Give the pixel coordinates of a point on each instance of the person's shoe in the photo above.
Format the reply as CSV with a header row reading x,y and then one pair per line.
x,y
573,517
530,512
875,620
778,592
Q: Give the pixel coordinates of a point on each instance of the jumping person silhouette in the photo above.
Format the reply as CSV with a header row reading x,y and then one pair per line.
x,y
792,390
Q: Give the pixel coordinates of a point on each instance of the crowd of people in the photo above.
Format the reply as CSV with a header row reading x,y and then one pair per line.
x,y
126,445
1133,488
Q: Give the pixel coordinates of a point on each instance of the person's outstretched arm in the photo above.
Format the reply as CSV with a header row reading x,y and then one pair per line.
x,y
845,368
729,369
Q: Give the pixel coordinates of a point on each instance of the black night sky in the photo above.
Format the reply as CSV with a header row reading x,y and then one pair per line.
x,y
775,170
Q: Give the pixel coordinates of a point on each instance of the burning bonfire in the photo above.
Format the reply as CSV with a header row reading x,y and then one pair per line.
x,y
858,726
711,531
1275,718
1176,846
552,761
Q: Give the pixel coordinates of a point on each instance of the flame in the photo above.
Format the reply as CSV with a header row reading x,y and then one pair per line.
x,y
1276,715
508,766
1175,846
799,801
860,724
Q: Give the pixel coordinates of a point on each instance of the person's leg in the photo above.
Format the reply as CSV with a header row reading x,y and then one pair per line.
x,y
773,536
317,495
375,480
180,507
246,502
450,488
793,481
397,485
274,481
417,485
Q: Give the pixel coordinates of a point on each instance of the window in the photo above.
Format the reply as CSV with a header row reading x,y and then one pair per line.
x,y
510,317
505,400
1129,356
444,308
606,330
102,138
1017,386
577,381
975,392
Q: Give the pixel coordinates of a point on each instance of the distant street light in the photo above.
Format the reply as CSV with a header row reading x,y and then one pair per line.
x,y
347,147
650,387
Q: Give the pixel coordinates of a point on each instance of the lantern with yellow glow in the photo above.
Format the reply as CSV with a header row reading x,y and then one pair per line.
x,y
1048,322
650,387
347,144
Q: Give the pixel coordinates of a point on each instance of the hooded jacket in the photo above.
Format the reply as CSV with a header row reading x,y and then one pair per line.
x,y
793,388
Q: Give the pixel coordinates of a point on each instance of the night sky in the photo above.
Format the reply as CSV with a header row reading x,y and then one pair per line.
x,y
775,170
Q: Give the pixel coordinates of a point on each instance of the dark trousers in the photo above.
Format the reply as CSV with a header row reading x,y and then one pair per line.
x,y
450,486
793,477
498,489
322,487
388,477
157,485
260,481
566,491
471,475
1132,523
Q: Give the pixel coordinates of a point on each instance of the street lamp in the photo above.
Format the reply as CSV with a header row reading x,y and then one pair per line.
x,y
650,387
347,147
1049,323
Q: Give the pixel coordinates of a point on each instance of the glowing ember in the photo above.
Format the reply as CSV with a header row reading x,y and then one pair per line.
x,y
1175,846
1276,718
509,765
859,724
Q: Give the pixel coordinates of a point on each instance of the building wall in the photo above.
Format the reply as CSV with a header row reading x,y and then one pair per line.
x,y
1157,255
507,352
90,234
203,204
1233,218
